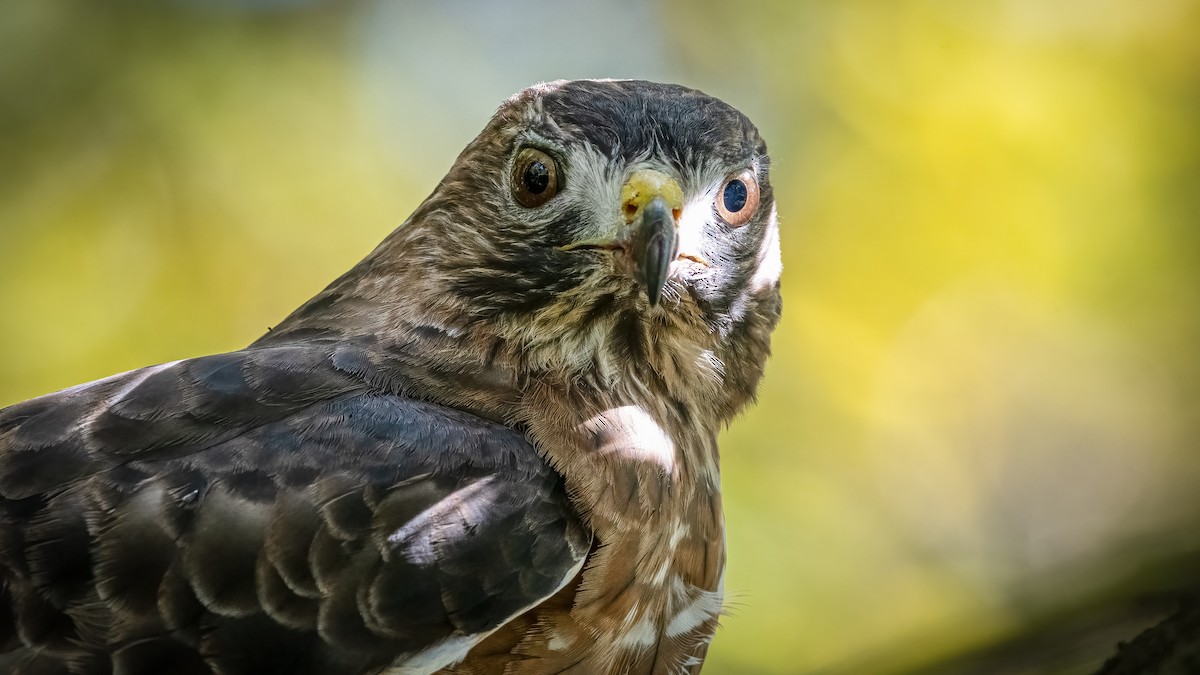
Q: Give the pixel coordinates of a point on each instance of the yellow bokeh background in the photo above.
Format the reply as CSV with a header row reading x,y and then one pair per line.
x,y
978,435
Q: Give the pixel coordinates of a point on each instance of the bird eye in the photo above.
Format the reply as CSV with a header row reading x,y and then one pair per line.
x,y
534,178
739,198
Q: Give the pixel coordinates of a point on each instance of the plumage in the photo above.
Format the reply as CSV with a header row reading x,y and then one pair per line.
x,y
490,447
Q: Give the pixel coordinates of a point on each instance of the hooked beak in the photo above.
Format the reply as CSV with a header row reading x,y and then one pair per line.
x,y
651,202
654,245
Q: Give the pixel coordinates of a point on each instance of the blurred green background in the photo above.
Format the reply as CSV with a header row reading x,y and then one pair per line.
x,y
980,426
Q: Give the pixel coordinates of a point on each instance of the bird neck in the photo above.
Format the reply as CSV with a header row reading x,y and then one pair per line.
x,y
639,467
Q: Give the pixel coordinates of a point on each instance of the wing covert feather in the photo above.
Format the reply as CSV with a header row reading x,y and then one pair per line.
x,y
266,511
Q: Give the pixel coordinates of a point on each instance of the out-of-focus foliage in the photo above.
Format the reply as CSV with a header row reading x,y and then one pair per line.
x,y
982,413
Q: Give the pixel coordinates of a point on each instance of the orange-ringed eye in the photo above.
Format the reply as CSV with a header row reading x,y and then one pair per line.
x,y
738,199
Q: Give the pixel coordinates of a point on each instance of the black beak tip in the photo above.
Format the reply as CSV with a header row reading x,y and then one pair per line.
x,y
656,248
653,293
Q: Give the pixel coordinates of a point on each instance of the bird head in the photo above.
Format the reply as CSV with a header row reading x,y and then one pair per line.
x,y
602,224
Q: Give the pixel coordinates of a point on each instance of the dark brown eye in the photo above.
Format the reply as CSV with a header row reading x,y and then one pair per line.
x,y
738,199
534,178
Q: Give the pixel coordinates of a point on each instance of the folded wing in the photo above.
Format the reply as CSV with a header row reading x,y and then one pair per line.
x,y
273,510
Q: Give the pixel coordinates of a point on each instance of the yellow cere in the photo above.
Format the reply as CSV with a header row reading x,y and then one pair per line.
x,y
644,186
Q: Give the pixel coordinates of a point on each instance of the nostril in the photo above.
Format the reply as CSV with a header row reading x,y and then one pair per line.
x,y
675,213
631,209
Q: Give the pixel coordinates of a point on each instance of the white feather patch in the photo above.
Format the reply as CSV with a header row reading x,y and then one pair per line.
x,y
444,653
557,643
704,606
633,434
770,262
640,635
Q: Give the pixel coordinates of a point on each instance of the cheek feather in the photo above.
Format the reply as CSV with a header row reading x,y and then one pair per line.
x,y
696,214
770,263
594,191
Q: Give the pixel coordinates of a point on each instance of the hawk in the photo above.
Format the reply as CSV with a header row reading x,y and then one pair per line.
x,y
490,447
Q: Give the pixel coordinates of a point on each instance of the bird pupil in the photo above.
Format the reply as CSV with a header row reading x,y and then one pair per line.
x,y
734,196
537,178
